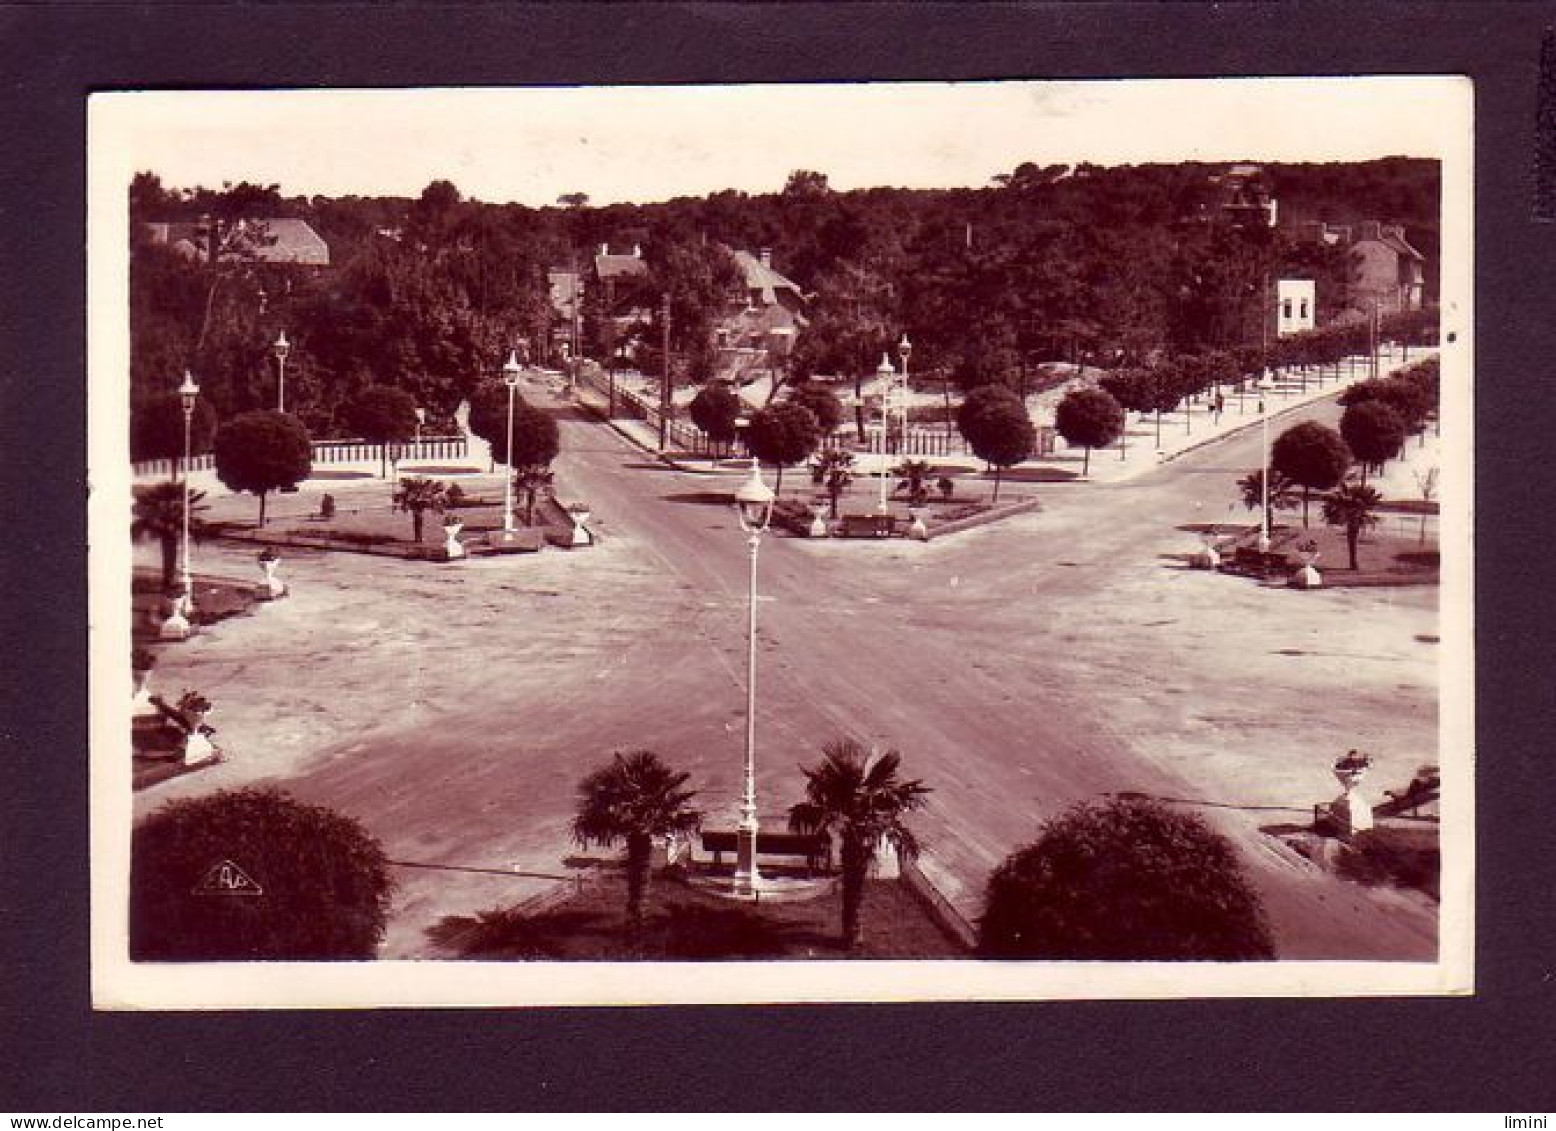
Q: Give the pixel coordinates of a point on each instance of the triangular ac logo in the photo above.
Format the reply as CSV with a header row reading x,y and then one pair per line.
x,y
226,878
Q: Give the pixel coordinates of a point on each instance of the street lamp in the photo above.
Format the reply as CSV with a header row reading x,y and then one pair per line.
x,y
887,376
510,374
282,348
904,351
179,622
1264,385
754,505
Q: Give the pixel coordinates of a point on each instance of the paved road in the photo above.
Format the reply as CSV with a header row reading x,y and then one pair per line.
x,y
985,659
1019,667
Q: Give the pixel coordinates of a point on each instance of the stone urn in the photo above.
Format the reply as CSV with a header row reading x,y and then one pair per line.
x,y
141,705
1352,810
270,586
1307,577
452,547
179,621
1209,554
198,746
581,533
917,531
818,522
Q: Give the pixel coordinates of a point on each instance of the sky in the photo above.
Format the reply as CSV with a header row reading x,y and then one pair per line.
x,y
642,144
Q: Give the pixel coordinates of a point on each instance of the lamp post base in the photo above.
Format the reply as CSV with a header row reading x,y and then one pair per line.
x,y
748,881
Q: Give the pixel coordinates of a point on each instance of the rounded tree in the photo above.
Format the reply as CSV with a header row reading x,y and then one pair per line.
x,y
999,431
383,415
1090,418
714,410
157,429
489,417
1164,388
1373,431
1124,881
823,405
634,799
260,452
536,439
1313,456
783,435
856,796
254,874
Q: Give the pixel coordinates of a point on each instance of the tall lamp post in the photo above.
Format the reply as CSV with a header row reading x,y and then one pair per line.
x,y
510,374
904,351
282,348
179,623
1264,385
754,503
887,376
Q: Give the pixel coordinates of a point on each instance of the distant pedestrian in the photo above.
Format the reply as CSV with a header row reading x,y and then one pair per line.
x,y
1220,403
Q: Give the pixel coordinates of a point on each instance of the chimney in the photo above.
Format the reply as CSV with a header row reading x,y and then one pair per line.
x,y
766,256
605,249
1369,230
637,251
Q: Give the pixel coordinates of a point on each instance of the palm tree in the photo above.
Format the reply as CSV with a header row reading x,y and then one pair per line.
x,y
913,477
1283,492
1353,506
833,469
418,496
159,513
532,481
858,796
634,799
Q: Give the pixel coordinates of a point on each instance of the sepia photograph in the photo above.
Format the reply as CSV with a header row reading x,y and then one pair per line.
x,y
889,541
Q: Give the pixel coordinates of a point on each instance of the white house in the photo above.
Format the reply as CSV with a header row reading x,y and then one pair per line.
x,y
1296,301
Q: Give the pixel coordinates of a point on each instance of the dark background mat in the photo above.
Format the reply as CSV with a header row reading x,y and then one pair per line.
x,y
1490,1053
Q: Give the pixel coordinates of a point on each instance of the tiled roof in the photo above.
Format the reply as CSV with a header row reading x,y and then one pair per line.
x,y
615,266
1397,243
284,240
762,278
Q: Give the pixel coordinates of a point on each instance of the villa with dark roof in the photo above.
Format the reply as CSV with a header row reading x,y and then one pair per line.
x,y
278,240
1387,273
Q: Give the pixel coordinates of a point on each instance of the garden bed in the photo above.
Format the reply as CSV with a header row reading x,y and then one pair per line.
x,y
387,532
683,922
1384,559
215,600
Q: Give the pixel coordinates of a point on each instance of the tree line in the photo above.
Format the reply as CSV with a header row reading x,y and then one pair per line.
x,y
1104,265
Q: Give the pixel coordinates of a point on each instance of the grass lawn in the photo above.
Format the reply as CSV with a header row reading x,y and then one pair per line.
x,y
685,923
361,524
1388,555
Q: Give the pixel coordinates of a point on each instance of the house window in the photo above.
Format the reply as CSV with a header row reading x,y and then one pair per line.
x,y
1304,310
1285,309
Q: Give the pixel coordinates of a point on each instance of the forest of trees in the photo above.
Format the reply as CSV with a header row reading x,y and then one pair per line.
x,y
1114,266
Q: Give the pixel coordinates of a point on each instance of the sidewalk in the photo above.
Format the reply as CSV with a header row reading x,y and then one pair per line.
x,y
1196,426
1181,431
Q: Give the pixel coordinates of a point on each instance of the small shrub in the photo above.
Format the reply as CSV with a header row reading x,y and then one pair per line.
x,y
966,510
792,515
946,486
454,496
327,507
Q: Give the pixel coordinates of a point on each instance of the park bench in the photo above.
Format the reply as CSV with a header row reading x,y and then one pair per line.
x,y
1423,788
868,526
815,850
